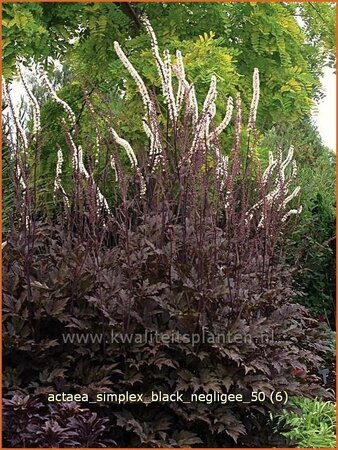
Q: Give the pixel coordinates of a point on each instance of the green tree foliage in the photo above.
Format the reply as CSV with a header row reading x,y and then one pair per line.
x,y
319,20
228,40
36,30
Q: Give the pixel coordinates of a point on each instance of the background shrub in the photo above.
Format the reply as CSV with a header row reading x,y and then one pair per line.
x,y
312,245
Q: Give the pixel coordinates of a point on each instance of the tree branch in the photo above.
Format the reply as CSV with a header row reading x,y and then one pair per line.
x,y
127,9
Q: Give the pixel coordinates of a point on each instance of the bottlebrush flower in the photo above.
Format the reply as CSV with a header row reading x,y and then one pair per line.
x,y
58,170
206,116
225,122
254,101
125,144
21,135
155,146
113,166
58,173
164,69
268,171
132,157
34,102
292,212
133,72
58,100
291,196
192,104
183,85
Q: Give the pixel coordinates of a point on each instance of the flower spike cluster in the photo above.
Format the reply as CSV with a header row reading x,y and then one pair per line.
x,y
150,117
190,155
164,69
205,135
280,190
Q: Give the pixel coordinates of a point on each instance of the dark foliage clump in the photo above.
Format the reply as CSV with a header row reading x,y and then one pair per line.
x,y
29,423
154,289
